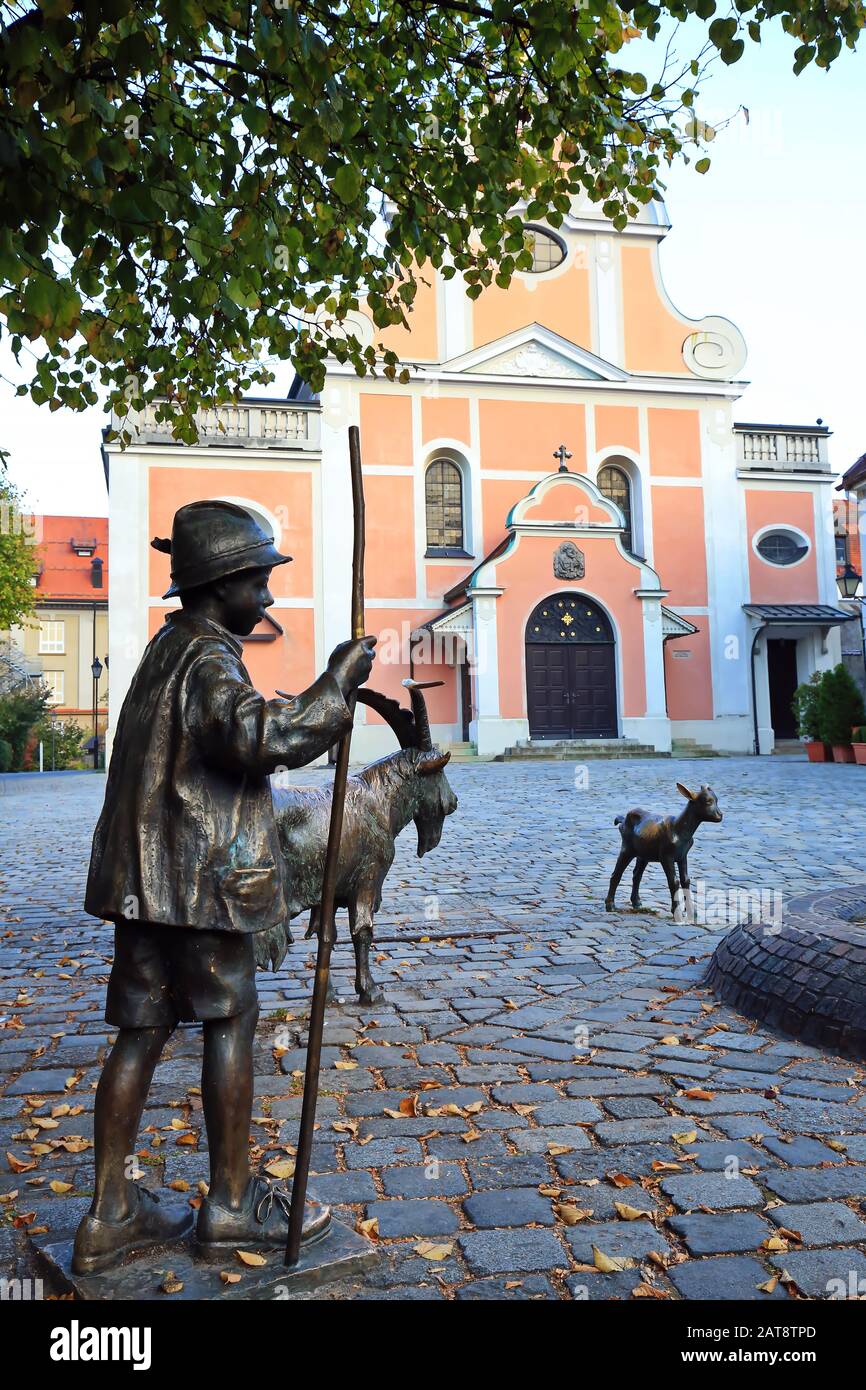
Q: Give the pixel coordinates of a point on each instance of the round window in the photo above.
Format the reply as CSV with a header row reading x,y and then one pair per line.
x,y
782,547
548,251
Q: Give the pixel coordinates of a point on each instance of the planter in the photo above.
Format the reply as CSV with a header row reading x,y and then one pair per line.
x,y
843,753
859,751
818,752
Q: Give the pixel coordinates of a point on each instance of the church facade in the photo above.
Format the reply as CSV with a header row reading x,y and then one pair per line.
x,y
566,524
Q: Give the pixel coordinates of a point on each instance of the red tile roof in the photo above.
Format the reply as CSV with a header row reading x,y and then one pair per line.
x,y
66,575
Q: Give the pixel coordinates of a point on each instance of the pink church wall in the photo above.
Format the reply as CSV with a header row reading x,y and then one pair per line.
x,y
777,583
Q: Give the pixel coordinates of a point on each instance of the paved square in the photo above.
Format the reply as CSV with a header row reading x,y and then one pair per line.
x,y
587,1122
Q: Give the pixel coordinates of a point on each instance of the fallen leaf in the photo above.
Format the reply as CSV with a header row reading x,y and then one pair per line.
x,y
770,1285
190,1140
671,1041
346,1066
620,1179
660,1166
230,1276
836,1144
630,1213
474,1108
369,1228
698,1093
408,1105
774,1243
556,1149
17,1165
647,1291
280,1168
171,1283
607,1264
61,1109
247,1257
60,1187
428,1251
686,1136
179,1185
569,1214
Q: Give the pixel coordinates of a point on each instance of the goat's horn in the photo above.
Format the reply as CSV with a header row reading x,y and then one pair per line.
x,y
393,713
419,709
430,765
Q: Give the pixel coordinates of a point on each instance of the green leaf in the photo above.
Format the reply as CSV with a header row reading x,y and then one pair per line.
x,y
346,183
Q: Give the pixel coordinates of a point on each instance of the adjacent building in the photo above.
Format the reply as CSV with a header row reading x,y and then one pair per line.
x,y
68,631
567,524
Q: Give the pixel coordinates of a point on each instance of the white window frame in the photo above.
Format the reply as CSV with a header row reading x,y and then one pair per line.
x,y
794,531
52,637
56,681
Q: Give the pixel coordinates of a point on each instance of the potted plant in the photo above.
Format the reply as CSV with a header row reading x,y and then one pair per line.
x,y
858,743
805,708
840,707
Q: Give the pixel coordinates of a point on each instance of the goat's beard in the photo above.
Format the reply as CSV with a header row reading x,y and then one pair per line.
x,y
429,835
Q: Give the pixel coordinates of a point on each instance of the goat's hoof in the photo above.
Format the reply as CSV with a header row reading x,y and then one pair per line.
x,y
374,995
608,905
636,906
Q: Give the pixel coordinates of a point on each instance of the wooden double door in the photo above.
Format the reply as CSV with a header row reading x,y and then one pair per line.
x,y
570,670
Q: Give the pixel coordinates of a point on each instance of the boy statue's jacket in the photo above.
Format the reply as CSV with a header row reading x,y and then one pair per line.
x,y
187,834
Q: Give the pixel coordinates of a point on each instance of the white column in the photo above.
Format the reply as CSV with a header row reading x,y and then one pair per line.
x,y
485,729
655,727
727,563
128,541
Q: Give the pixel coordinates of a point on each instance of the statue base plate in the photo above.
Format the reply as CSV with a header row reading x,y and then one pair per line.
x,y
337,1255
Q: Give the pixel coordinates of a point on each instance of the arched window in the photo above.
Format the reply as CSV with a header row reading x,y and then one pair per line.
x,y
613,483
444,495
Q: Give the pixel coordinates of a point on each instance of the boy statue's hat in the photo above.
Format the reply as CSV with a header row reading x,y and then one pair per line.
x,y
210,540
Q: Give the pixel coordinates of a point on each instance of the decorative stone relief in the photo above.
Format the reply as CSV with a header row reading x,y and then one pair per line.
x,y
568,562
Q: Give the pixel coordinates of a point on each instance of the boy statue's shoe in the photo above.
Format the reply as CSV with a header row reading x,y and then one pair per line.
x,y
262,1219
100,1244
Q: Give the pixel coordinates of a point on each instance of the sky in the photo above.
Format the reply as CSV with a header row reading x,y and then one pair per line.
x,y
772,237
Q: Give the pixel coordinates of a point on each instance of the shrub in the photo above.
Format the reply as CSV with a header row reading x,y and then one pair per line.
x,y
66,750
19,711
5,755
805,707
840,706
858,735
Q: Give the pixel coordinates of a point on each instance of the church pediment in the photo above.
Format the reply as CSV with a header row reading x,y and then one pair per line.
x,y
535,351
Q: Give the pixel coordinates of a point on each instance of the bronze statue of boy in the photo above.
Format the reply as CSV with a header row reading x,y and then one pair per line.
x,y
186,863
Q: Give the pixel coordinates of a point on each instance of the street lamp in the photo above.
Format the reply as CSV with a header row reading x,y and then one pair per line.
x,y
848,581
96,672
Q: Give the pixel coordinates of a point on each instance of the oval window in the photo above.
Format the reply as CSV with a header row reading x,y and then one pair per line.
x,y
782,547
547,251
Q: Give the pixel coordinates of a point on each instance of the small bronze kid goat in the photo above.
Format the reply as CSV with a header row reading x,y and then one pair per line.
x,y
664,840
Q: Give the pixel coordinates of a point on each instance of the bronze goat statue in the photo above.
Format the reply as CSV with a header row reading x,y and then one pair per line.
x,y
380,802
664,840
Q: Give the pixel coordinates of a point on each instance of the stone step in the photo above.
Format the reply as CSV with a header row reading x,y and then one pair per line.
x,y
578,750
788,748
690,748
461,752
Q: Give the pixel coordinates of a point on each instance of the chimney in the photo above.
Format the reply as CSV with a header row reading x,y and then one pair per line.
x,y
96,572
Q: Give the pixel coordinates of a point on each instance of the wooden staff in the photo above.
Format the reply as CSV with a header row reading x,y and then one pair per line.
x,y
327,930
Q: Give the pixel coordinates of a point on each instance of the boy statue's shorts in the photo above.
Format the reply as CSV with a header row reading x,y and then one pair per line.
x,y
164,975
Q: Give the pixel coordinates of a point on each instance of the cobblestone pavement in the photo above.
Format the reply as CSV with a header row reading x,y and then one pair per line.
x,y
547,1105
